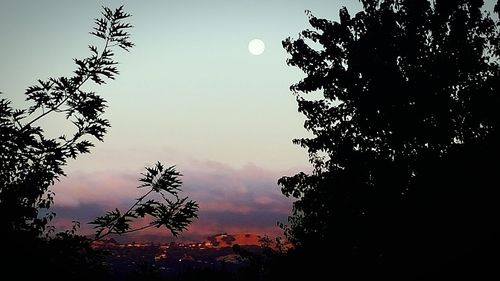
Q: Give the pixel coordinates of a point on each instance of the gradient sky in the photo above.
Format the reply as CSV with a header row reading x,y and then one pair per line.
x,y
189,94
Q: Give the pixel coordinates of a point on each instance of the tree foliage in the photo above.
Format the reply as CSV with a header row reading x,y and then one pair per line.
x,y
31,161
167,210
402,100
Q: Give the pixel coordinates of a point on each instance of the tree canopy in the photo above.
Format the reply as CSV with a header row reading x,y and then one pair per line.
x,y
31,162
402,100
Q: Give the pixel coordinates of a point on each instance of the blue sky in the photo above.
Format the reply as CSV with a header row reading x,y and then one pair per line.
x,y
189,94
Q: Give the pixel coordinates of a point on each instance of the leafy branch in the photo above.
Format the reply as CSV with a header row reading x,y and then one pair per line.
x,y
165,209
65,95
30,161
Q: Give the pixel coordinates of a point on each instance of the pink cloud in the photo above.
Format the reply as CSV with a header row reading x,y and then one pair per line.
x,y
106,188
231,200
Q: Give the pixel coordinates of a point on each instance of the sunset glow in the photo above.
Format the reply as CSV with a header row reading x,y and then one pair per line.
x,y
188,94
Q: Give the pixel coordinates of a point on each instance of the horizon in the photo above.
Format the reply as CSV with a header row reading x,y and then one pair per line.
x,y
242,139
189,94
253,239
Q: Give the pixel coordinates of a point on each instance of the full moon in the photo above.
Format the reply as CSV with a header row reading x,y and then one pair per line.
x,y
256,47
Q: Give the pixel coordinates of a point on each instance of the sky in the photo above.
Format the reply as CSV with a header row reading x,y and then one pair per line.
x,y
189,94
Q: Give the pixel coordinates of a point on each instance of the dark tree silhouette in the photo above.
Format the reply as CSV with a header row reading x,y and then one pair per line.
x,y
171,211
31,162
403,101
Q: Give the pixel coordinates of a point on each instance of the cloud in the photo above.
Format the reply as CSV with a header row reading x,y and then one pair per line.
x,y
106,188
218,187
232,200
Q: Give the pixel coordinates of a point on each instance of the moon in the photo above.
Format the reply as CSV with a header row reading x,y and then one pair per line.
x,y
256,47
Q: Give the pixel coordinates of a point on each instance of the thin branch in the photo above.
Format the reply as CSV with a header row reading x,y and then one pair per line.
x,y
111,228
138,201
44,114
77,87
139,228
125,232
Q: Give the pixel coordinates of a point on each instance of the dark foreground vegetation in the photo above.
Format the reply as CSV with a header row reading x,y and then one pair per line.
x,y
403,103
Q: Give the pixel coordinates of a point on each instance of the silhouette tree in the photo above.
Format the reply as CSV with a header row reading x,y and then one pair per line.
x,y
31,162
402,100
172,212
